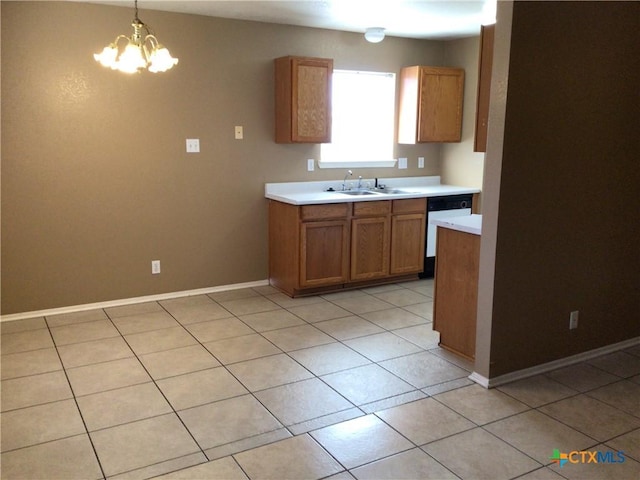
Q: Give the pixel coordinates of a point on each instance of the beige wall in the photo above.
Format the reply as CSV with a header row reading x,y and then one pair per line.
x,y
460,164
95,179
561,191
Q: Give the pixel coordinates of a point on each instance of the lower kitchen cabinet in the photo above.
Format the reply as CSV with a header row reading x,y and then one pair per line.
x,y
316,248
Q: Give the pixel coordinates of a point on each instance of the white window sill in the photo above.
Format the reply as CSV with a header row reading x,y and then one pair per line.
x,y
358,164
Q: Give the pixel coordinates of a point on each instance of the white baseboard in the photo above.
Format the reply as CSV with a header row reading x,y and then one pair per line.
x,y
130,301
554,365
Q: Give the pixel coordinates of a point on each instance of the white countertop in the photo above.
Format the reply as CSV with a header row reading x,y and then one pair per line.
x,y
309,193
466,223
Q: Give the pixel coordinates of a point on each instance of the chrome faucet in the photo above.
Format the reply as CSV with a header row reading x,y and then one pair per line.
x,y
360,182
344,182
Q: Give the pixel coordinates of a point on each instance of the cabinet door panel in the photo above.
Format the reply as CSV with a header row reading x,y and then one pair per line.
x,y
370,248
440,113
407,243
324,253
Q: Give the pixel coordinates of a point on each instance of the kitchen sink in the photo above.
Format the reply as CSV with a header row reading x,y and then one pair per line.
x,y
359,192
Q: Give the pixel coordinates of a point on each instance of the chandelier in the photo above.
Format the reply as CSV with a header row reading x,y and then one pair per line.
x,y
138,52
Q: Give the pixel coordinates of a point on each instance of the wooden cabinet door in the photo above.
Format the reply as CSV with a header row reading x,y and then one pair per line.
x,y
324,253
485,66
303,99
407,243
431,101
370,247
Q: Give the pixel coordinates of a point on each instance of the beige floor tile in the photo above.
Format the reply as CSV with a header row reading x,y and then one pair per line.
x,y
23,325
295,338
537,391
317,312
222,469
213,330
239,349
330,358
342,294
39,424
96,351
627,470
265,321
84,332
341,476
387,287
265,290
425,421
25,341
160,468
268,372
195,309
447,386
362,304
424,285
133,309
302,401
628,443
324,421
246,306
286,301
70,458
423,310
366,384
391,402
621,364
412,464
393,318
293,458
479,455
592,417
233,294
382,346
247,443
537,435
29,363
348,327
197,388
451,357
582,377
140,444
159,340
34,390
422,335
178,361
544,473
361,440
144,322
124,405
480,405
227,421
75,317
624,395
423,369
402,297
107,376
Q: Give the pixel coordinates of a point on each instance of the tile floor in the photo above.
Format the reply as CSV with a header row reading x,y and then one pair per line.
x,y
253,384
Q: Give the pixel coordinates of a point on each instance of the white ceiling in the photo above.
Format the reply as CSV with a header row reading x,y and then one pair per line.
x,y
433,19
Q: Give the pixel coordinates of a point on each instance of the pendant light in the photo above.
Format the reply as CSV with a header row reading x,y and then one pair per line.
x,y
138,53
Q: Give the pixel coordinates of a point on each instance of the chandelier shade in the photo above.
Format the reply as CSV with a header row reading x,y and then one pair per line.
x,y
137,52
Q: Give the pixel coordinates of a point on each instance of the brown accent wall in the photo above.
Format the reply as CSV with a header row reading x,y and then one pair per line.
x,y
95,179
568,222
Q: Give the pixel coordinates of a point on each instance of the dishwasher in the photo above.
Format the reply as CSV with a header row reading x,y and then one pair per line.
x,y
441,207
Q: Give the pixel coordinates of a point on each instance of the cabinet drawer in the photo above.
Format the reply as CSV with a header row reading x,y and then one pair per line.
x,y
382,207
410,205
324,211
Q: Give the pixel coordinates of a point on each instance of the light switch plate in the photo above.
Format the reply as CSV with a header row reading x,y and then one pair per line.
x,y
402,162
193,145
420,162
310,165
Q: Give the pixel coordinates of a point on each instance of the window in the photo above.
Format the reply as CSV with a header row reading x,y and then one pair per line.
x,y
363,119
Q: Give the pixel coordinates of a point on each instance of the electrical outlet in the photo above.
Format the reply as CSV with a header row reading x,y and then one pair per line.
x,y
193,145
573,320
239,132
420,162
402,162
155,267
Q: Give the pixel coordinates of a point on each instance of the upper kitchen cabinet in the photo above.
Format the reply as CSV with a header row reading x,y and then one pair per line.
x,y
430,104
303,99
485,65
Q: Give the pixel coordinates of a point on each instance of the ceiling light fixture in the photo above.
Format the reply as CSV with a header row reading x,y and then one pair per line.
x,y
138,53
374,34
